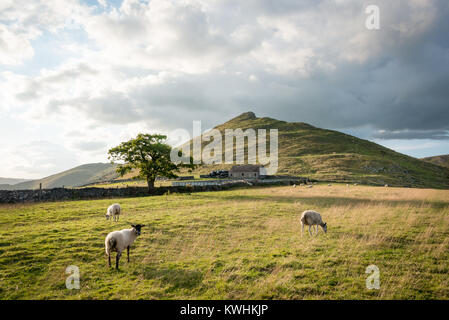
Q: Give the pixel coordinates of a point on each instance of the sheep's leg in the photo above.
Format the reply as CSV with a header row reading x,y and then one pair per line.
x,y
310,233
316,228
117,259
302,229
127,249
118,217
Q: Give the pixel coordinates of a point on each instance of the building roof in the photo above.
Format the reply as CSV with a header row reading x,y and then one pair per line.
x,y
245,168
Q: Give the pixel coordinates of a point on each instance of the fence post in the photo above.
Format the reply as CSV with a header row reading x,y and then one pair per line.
x,y
40,191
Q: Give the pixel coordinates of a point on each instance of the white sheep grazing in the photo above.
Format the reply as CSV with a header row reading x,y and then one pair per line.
x,y
312,218
119,240
113,212
294,186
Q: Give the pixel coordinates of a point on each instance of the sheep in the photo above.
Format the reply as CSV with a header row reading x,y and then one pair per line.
x,y
113,212
312,218
386,186
294,186
119,240
310,186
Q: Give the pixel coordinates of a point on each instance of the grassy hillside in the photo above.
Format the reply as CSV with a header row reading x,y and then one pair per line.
x,y
11,181
334,156
442,161
78,176
239,244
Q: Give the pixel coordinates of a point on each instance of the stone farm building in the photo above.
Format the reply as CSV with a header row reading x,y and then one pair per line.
x,y
248,171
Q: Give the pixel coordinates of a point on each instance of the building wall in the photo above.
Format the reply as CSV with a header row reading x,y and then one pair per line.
x,y
246,175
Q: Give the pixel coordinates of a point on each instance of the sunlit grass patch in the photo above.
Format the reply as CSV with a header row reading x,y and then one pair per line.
x,y
238,244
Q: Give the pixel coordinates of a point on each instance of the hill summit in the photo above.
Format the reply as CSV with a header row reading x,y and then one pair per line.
x,y
329,155
245,116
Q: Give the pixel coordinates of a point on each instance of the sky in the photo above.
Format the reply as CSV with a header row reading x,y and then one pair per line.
x,y
79,77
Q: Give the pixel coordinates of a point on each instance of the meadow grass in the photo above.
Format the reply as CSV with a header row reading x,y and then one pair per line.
x,y
237,244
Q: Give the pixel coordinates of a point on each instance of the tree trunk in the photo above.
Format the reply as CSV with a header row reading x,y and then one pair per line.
x,y
150,183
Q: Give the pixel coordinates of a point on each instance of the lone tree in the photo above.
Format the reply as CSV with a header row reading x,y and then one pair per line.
x,y
150,155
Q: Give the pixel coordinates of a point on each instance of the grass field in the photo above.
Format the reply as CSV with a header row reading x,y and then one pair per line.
x,y
238,244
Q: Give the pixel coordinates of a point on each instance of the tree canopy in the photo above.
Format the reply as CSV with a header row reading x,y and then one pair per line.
x,y
149,154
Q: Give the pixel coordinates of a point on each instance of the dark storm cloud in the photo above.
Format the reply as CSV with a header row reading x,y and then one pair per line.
x,y
395,79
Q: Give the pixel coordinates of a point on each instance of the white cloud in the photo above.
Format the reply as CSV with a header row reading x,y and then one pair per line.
x,y
103,3
37,159
157,65
13,48
23,21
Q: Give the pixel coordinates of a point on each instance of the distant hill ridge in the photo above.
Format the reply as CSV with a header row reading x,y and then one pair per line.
x,y
442,161
11,181
329,155
78,176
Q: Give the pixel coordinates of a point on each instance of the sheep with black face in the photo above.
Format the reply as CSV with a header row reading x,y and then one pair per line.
x,y
120,240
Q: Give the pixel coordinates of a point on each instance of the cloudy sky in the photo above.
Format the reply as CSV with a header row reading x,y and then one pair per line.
x,y
77,77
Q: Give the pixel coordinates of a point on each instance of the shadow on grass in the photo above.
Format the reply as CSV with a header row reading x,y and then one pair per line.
x,y
174,277
328,201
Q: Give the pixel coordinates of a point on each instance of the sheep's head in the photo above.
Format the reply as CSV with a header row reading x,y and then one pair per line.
x,y
137,228
325,227
107,216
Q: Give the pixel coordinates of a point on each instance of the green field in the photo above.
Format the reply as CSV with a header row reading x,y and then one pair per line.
x,y
238,244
